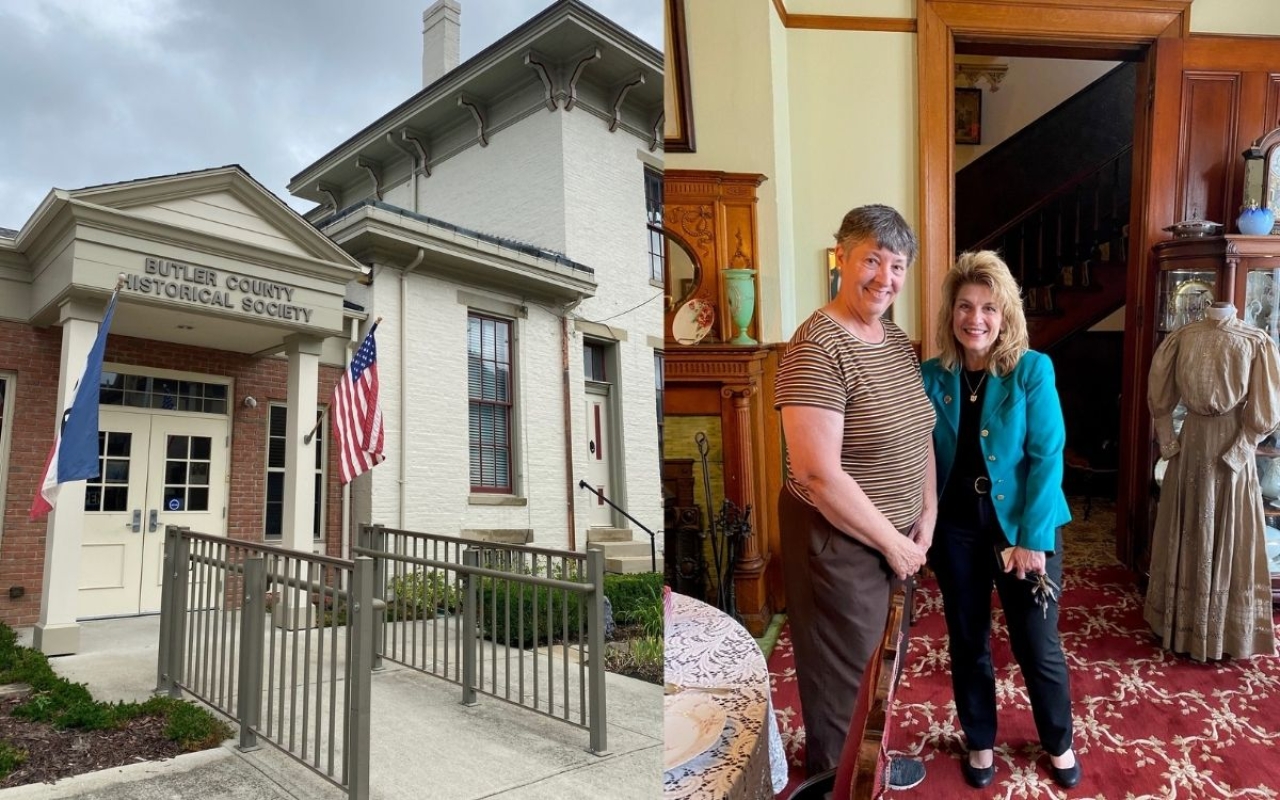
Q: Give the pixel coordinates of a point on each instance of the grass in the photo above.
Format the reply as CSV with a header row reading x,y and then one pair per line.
x,y
63,704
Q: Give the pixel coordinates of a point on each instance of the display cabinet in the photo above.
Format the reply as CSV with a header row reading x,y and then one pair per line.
x,y
1245,271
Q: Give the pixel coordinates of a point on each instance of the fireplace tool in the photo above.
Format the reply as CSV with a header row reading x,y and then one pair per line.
x,y
735,525
704,448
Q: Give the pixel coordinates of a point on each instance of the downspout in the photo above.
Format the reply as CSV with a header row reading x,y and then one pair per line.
x,y
404,376
571,485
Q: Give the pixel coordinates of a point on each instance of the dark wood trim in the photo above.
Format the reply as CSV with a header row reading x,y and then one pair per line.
x,y
683,141
1073,51
782,11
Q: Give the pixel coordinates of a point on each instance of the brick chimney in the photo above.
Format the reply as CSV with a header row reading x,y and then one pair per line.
x,y
440,37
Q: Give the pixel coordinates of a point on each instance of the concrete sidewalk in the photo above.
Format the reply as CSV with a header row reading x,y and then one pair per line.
x,y
425,744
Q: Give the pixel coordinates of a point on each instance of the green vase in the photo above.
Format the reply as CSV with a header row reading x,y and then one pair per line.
x,y
740,287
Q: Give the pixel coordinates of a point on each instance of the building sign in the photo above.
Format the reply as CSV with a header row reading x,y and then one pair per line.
x,y
207,287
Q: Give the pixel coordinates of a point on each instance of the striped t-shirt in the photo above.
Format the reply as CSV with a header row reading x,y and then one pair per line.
x,y
888,421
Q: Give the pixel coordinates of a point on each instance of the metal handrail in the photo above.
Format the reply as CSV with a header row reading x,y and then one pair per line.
x,y
653,548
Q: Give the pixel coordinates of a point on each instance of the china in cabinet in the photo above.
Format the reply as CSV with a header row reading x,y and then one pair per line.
x,y
1245,271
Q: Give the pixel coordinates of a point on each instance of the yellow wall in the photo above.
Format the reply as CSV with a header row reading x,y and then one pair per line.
x,y
829,117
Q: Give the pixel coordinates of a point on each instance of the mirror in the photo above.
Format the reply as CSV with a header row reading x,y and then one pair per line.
x,y
683,273
1262,173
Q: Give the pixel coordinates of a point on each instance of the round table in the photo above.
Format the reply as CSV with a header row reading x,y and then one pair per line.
x,y
706,647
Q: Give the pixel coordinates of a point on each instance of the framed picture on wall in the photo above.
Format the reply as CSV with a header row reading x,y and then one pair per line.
x,y
677,113
968,116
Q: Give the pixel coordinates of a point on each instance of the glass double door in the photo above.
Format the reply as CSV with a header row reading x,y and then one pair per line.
x,y
155,470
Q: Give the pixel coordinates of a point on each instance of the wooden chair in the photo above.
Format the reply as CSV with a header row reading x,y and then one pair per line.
x,y
864,759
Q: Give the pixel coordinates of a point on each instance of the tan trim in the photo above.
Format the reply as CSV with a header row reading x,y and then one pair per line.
x,y
828,22
833,22
599,330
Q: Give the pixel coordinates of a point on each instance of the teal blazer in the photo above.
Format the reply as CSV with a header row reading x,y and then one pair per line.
x,y
1023,437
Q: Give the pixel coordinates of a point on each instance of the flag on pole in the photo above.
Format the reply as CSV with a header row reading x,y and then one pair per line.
x,y
356,413
74,455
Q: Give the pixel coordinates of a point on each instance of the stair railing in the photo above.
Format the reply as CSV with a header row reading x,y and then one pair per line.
x,y
653,547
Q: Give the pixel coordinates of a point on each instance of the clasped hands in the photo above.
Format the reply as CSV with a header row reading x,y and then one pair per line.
x,y
908,553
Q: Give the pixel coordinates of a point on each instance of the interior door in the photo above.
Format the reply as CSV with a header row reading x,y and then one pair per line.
x,y
599,454
156,470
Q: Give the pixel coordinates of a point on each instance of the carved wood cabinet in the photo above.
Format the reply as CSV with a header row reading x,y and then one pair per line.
x,y
717,388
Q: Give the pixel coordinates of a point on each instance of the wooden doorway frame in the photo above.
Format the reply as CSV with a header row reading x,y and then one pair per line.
x,y
1071,24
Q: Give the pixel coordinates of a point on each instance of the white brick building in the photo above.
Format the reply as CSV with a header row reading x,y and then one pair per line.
x,y
508,198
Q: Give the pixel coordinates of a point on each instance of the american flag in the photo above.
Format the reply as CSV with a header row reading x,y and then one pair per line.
x,y
356,414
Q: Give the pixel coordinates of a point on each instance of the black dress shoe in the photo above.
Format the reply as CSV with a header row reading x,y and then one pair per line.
x,y
1066,778
977,777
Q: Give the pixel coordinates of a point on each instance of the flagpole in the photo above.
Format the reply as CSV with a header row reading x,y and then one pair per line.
x,y
315,428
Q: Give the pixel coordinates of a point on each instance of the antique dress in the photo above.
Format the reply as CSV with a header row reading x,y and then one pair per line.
x,y
1210,590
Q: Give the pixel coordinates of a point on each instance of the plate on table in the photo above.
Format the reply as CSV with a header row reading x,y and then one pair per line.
x,y
691,723
693,321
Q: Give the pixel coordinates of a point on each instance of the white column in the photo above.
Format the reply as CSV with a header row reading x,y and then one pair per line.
x,y
299,463
57,632
299,457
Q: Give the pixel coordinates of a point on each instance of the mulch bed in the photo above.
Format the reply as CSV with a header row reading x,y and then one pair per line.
x,y
53,753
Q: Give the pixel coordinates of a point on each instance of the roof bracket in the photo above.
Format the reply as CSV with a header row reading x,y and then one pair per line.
x,y
622,88
591,54
416,145
332,192
477,113
659,125
539,64
374,168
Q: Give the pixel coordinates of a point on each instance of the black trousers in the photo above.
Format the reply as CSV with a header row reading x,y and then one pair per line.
x,y
964,557
837,599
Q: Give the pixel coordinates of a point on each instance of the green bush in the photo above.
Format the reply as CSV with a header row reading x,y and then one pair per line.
x,y
420,595
60,702
632,597
504,603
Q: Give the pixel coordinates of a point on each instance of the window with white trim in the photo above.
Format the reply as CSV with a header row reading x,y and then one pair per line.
x,y
489,401
653,214
277,433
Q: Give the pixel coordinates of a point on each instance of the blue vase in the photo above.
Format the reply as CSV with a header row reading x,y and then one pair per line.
x,y
1256,221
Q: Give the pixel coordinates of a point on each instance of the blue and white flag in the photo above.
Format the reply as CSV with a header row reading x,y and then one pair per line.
x,y
74,456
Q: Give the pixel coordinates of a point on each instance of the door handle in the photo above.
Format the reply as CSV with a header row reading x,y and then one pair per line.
x,y
136,524
153,520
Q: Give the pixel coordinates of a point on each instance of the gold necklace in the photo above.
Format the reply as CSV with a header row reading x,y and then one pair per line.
x,y
973,390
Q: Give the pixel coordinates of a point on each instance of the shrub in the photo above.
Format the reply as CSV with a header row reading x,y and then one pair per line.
x,y
420,595
504,603
632,594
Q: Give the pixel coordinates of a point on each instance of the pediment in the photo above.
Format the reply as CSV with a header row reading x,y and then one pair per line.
x,y
224,202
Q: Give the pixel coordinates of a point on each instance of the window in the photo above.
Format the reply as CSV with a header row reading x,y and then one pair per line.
x,y
593,357
145,391
277,430
489,407
110,490
653,209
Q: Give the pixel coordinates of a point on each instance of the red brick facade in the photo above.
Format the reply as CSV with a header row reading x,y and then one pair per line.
x,y
34,355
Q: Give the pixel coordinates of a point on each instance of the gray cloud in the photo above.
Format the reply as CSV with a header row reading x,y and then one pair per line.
x,y
102,92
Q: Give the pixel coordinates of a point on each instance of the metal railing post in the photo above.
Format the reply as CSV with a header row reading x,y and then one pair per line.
x,y
470,639
360,627
178,603
167,609
378,542
253,613
595,654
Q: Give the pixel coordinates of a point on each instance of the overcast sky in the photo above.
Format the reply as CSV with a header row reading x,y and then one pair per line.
x,y
97,92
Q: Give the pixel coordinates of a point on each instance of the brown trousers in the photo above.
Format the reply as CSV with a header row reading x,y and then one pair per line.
x,y
837,599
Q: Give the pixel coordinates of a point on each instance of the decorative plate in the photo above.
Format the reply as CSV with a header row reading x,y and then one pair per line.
x,y
693,321
691,723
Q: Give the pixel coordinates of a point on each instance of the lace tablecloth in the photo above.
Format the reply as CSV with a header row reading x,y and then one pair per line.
x,y
705,647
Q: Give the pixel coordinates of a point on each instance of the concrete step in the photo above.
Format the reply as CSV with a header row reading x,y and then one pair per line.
x,y
608,535
628,565
620,549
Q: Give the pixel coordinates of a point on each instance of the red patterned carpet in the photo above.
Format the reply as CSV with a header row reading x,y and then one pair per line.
x,y
1148,724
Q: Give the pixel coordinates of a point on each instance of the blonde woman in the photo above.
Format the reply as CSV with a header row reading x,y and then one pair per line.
x,y
998,442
